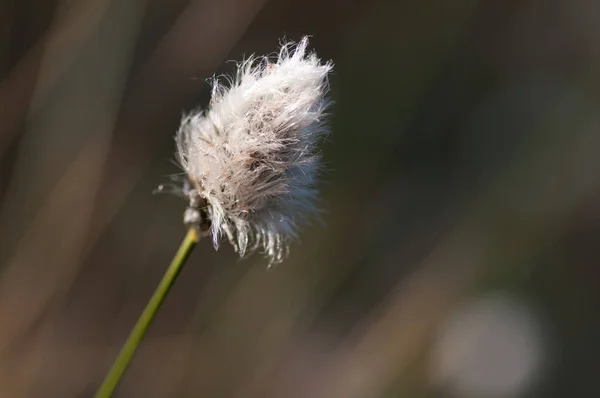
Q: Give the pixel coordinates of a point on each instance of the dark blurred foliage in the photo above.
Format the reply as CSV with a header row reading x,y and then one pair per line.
x,y
458,254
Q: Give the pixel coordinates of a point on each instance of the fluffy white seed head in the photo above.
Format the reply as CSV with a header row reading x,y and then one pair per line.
x,y
252,157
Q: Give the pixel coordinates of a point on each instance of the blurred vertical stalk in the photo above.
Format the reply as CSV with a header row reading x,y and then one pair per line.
x,y
135,337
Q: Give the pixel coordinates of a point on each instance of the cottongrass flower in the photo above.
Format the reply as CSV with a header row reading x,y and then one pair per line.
x,y
251,161
251,158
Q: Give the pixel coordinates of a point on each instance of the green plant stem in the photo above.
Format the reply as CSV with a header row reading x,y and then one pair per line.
x,y
136,335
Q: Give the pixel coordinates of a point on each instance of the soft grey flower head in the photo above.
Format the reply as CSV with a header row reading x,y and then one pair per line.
x,y
251,158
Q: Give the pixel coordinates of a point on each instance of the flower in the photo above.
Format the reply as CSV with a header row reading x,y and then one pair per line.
x,y
251,158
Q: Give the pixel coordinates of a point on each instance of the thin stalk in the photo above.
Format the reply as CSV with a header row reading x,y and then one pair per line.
x,y
137,333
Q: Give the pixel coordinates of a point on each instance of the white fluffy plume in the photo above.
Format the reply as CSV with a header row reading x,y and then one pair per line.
x,y
251,157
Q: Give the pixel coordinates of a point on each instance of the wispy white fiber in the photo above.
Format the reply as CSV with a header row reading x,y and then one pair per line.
x,y
252,157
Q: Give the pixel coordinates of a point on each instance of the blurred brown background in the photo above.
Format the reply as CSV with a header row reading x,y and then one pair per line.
x,y
458,257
